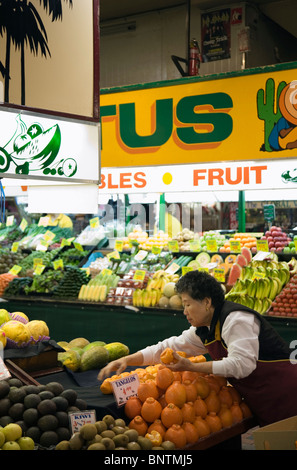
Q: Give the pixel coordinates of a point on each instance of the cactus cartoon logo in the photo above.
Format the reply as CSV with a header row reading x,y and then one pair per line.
x,y
32,149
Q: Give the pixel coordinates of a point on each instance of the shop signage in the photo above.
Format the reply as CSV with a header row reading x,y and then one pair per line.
x,y
281,174
48,148
244,115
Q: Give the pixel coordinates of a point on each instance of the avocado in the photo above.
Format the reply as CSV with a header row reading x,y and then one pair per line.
x,y
63,419
81,404
48,423
4,420
88,431
30,416
4,389
33,432
46,407
32,389
14,382
46,395
108,443
16,411
70,395
55,387
48,439
32,400
63,433
5,404
17,395
61,403
23,425
63,445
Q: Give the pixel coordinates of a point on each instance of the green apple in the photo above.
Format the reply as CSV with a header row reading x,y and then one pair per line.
x,y
26,443
12,431
10,445
2,437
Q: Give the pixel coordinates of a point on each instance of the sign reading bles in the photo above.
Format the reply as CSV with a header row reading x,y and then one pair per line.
x,y
35,146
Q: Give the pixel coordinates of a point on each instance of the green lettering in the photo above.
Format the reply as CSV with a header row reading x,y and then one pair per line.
x,y
109,110
163,128
186,112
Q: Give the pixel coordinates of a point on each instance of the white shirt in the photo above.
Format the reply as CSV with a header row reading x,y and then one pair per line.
x,y
240,333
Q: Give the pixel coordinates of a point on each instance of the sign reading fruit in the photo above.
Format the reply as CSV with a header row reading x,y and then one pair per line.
x,y
47,148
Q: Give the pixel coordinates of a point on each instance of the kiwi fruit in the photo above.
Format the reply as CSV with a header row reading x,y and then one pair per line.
x,y
108,443
121,440
101,426
97,446
88,431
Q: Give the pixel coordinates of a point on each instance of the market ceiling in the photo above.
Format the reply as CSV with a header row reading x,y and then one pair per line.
x,y
282,12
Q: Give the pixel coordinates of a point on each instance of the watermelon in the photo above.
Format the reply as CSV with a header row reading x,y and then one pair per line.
x,y
246,252
241,260
234,274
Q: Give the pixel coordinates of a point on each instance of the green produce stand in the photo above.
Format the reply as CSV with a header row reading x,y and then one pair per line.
x,y
67,320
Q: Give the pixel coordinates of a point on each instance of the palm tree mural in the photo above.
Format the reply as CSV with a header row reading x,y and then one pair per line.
x,y
23,26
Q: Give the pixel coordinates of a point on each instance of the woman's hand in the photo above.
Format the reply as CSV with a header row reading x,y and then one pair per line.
x,y
119,365
180,364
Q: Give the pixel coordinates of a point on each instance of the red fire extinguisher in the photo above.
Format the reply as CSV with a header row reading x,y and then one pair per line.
x,y
194,58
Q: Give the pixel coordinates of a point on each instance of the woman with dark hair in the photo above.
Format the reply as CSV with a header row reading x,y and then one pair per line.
x,y
242,345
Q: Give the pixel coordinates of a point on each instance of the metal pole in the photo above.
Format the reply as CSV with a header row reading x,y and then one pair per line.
x,y
241,212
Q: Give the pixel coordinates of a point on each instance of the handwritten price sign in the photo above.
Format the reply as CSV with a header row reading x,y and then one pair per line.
x,y
78,419
125,388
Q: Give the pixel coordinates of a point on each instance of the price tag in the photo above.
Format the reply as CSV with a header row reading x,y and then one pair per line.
x,y
43,222
173,268
261,255
258,275
194,245
139,275
78,246
4,372
39,269
14,247
94,223
58,264
173,245
141,255
186,269
156,250
262,245
48,236
15,270
106,271
37,261
42,245
113,254
66,242
23,225
119,245
211,245
79,418
219,274
9,220
235,246
125,388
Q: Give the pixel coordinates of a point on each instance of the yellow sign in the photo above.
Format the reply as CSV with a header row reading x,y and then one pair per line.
x,y
232,117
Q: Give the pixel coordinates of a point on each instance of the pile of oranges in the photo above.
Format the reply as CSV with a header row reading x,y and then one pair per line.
x,y
245,239
183,407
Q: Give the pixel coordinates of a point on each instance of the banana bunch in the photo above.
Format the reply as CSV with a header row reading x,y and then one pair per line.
x,y
159,279
260,305
146,297
259,283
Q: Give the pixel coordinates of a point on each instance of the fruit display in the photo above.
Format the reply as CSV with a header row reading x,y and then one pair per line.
x,y
285,303
211,236
37,412
245,239
12,438
181,407
183,238
151,295
259,283
97,289
18,331
8,259
277,239
81,355
139,237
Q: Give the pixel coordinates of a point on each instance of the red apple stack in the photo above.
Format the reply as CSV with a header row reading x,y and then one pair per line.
x,y
277,239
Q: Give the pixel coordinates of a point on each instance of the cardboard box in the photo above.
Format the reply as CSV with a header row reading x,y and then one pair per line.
x,y
281,435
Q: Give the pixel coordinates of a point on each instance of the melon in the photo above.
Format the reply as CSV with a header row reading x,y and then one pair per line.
x,y
163,301
116,350
169,289
94,343
16,331
234,274
246,252
20,316
94,358
38,329
78,342
175,302
241,260
203,259
64,345
3,339
216,259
